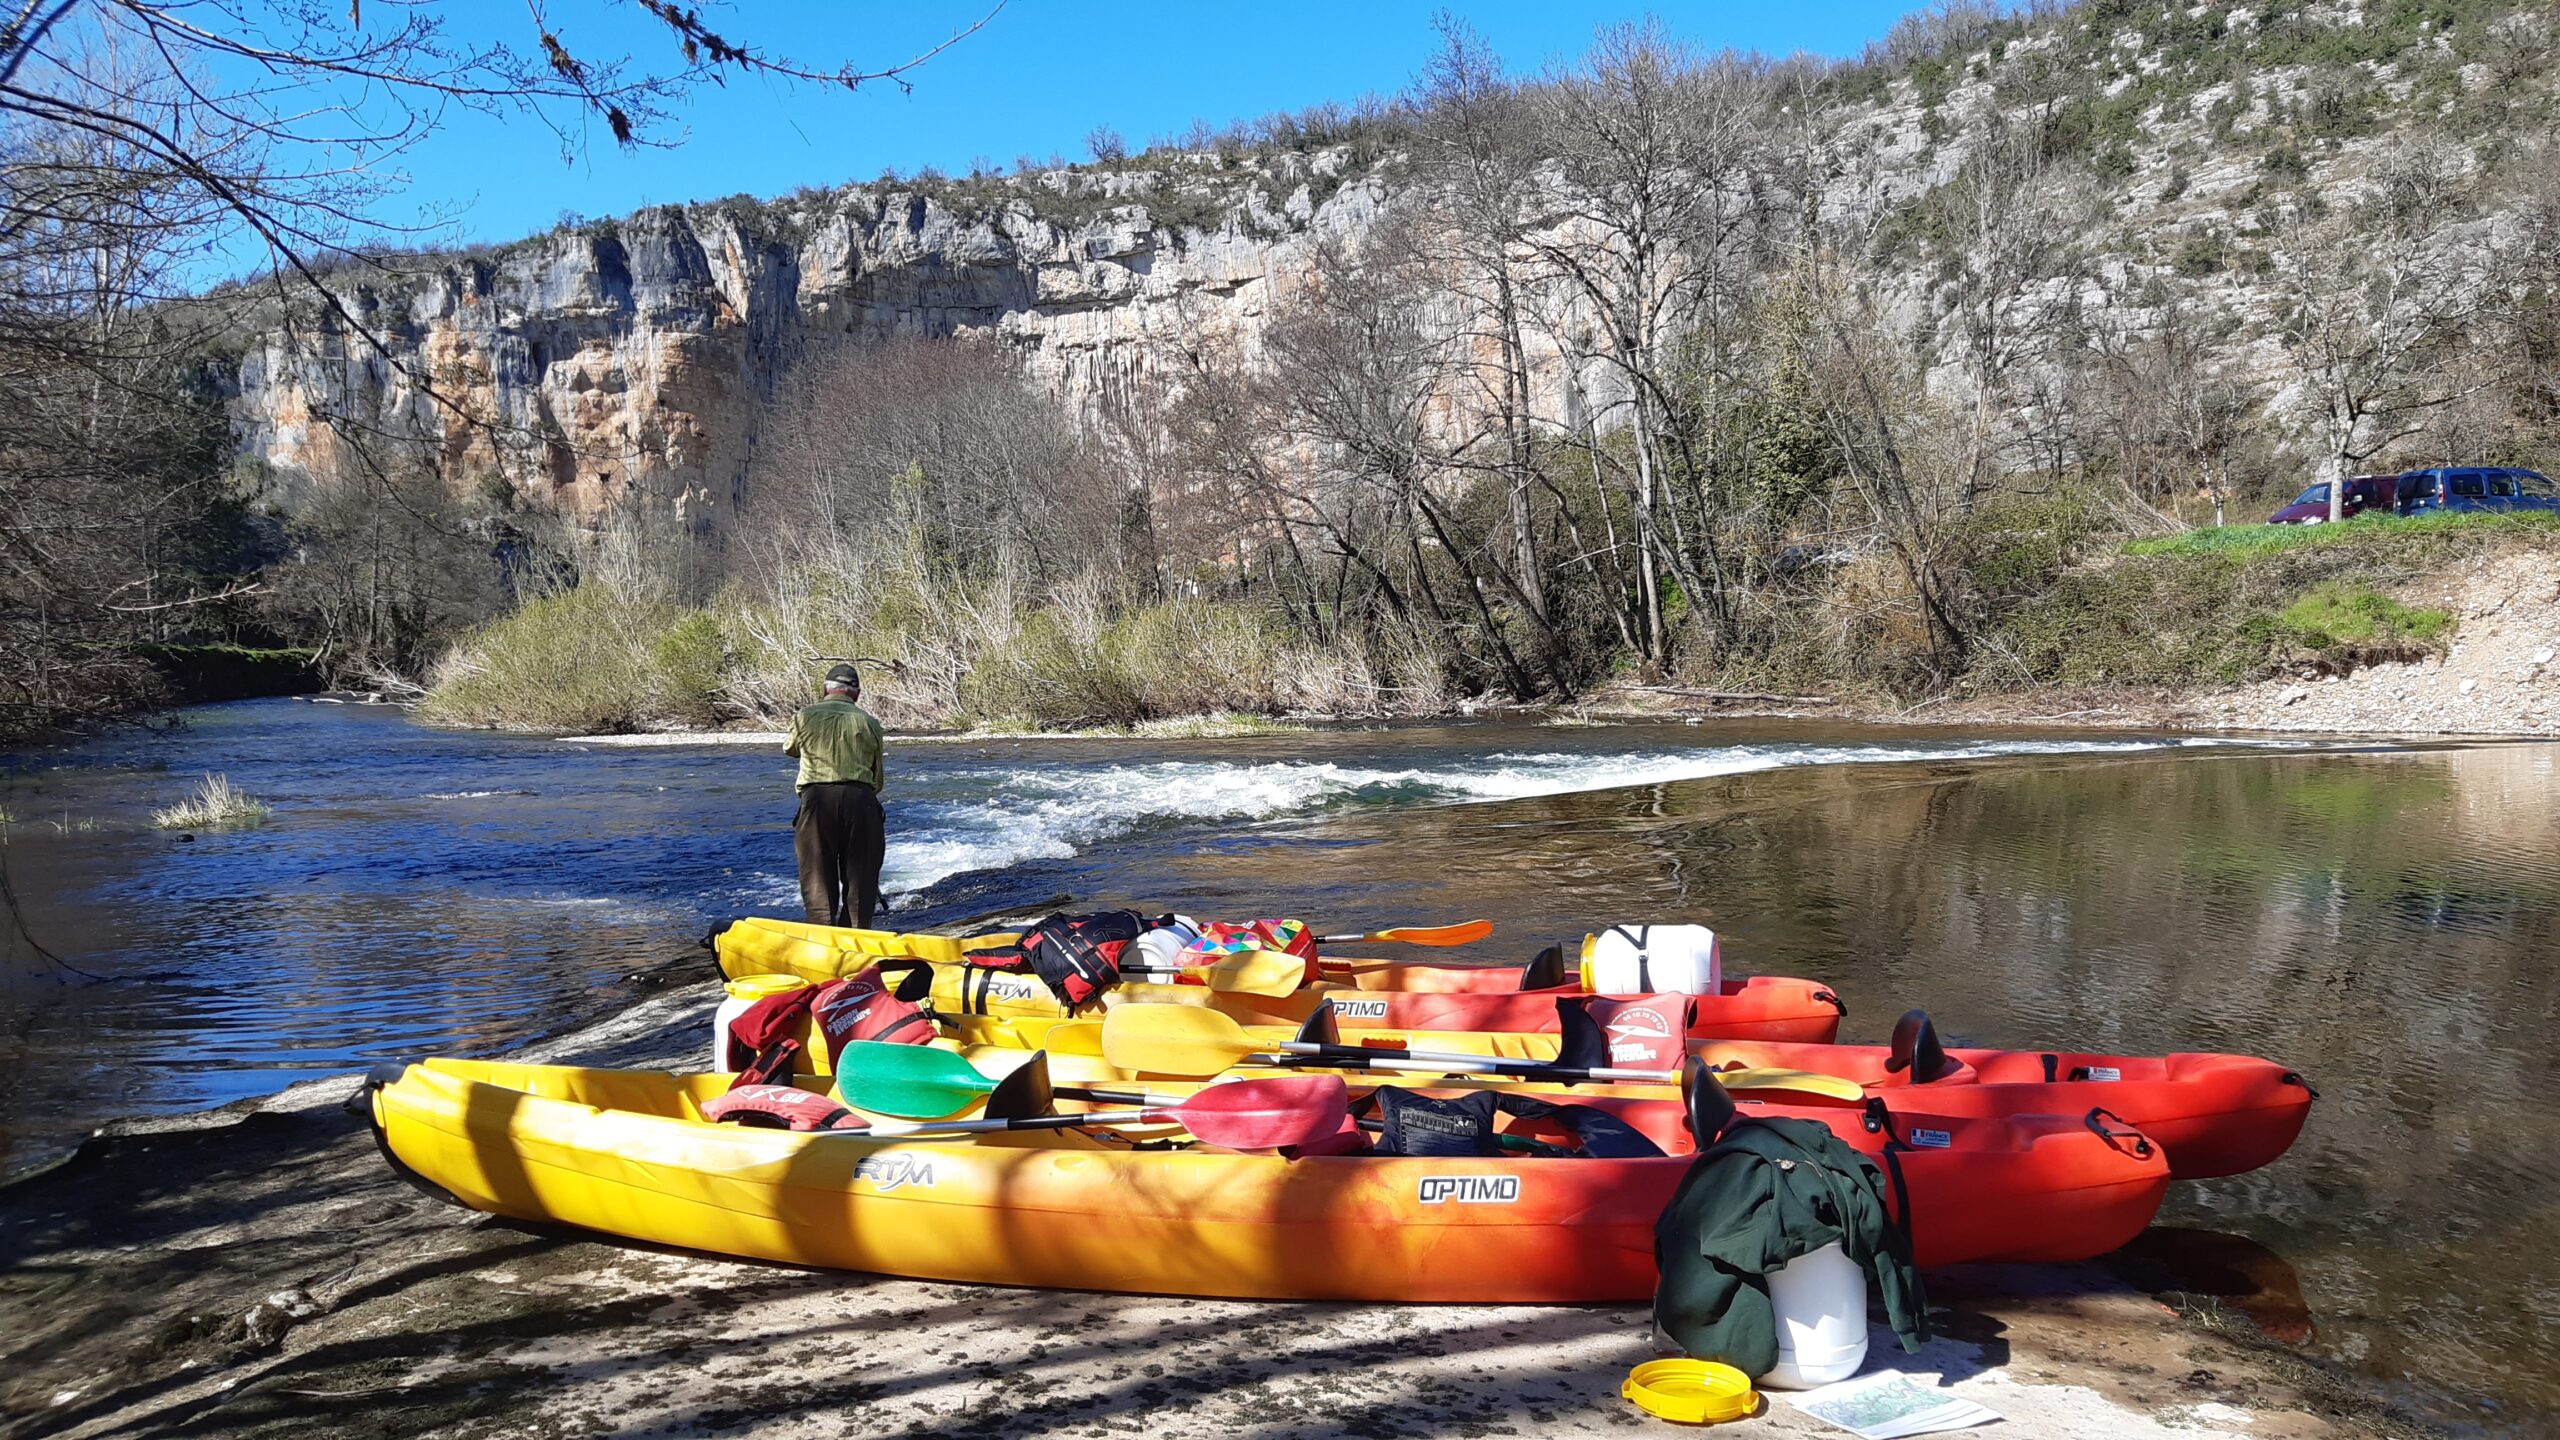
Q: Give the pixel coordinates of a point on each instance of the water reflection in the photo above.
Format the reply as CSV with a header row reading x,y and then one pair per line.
x,y
2383,921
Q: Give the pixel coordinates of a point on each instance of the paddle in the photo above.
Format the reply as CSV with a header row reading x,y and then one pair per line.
x,y
926,1083
1238,1115
1193,1040
1464,933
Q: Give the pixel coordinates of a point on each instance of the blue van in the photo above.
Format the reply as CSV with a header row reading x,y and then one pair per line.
x,y
2476,487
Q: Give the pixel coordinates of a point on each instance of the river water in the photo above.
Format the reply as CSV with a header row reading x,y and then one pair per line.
x,y
2378,917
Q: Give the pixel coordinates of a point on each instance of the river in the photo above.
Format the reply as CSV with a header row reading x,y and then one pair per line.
x,y
2377,917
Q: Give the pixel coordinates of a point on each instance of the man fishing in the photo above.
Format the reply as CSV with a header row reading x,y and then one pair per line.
x,y
839,832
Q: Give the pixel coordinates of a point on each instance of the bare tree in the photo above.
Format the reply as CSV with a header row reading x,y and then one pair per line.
x,y
2373,299
945,433
1661,162
1479,165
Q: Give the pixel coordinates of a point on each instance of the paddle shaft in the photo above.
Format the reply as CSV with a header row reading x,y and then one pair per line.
x,y
1382,1058
926,1129
1141,1097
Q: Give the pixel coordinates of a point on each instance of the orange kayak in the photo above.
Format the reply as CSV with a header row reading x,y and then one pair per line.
x,y
627,1153
2215,1114
1760,1007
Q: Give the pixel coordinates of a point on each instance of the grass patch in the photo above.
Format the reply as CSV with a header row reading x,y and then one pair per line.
x,y
1220,725
2342,625
2219,607
215,804
2363,532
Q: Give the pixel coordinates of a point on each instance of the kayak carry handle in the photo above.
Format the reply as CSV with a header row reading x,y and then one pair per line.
x,y
2097,1119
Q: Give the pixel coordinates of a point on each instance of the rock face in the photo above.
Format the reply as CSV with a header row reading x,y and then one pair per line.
x,y
630,360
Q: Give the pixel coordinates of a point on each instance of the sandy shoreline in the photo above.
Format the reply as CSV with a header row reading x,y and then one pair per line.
x,y
258,1271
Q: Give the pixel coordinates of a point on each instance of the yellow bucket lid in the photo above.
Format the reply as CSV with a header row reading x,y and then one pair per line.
x,y
1693,1392
758,987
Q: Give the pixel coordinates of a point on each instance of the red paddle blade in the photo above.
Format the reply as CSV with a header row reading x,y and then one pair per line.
x,y
1267,1114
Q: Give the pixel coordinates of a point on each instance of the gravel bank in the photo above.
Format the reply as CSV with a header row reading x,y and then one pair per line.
x,y
2500,675
257,1271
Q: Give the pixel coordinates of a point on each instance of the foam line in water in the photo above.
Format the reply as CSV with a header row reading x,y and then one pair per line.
x,y
983,817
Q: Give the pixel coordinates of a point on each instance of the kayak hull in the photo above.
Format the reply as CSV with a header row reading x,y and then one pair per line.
x,y
1771,1008
625,1152
2215,1114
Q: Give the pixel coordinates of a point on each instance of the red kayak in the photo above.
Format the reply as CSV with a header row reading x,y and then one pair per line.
x,y
1770,1008
2213,1114
2045,1188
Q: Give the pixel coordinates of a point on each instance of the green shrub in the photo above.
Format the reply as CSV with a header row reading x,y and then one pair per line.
x,y
685,661
575,662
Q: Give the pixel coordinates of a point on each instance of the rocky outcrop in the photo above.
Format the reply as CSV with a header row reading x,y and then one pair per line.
x,y
630,359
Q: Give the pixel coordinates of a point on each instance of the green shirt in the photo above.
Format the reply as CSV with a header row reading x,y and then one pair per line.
x,y
836,740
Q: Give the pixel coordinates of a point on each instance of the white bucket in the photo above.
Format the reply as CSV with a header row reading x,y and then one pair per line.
x,y
1652,960
1821,1304
741,997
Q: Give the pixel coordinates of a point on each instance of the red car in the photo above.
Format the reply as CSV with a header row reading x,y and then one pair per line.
x,y
2364,492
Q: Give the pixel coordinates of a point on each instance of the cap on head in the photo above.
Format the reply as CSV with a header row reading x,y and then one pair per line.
x,y
844,677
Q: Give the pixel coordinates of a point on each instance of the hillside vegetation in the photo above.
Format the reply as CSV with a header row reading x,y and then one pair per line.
x,y
1927,374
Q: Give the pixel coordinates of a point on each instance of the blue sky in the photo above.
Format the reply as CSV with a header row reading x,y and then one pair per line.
x,y
1036,80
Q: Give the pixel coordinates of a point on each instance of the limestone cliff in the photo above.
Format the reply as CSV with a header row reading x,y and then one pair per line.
x,y
629,358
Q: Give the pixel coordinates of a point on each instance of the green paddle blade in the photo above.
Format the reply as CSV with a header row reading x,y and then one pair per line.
x,y
917,1081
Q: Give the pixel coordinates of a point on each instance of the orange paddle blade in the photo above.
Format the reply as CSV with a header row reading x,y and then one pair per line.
x,y
1465,933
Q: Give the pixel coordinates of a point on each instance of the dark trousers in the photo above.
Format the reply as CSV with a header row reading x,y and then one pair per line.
x,y
838,835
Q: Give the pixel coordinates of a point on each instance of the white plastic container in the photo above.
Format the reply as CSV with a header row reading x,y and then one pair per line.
x,y
1652,960
743,994
1160,951
1821,1304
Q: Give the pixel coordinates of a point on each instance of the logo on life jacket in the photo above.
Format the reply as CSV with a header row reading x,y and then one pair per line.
x,y
893,1172
1637,1033
1360,1009
1469,1189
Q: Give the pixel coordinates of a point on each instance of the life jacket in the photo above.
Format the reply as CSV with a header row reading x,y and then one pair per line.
x,y
1646,1032
1076,956
1413,1124
1222,939
866,1006
766,1040
779,1107
767,1025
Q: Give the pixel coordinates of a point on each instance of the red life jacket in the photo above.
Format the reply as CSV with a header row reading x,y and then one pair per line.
x,y
764,1041
1646,1032
865,1006
779,1107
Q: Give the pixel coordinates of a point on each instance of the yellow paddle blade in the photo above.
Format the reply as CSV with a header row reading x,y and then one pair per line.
x,y
1802,1082
1073,1037
1173,1039
1258,972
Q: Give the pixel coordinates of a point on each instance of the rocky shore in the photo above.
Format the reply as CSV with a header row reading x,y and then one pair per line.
x,y
258,1271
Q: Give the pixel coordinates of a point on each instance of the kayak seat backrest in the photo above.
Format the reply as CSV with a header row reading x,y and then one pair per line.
x,y
1710,1110
1917,1058
1545,971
